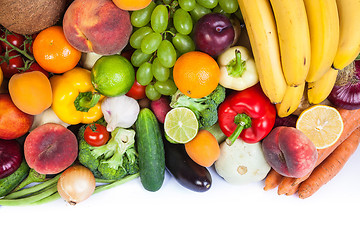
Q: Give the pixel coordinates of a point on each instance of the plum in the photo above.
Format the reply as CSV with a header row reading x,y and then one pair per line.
x,y
213,33
289,152
50,148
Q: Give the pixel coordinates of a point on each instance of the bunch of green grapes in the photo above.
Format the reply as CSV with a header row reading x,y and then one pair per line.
x,y
162,33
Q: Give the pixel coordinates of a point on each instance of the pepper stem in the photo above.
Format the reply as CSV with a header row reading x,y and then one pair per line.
x,y
237,66
242,121
86,100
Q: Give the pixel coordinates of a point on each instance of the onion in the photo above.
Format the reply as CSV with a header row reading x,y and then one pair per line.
x,y
346,92
76,184
10,157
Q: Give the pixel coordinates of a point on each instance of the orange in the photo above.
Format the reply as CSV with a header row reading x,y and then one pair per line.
x,y
31,92
53,52
196,74
203,149
132,5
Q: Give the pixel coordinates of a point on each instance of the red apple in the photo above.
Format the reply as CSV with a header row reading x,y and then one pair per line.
x,y
289,152
13,122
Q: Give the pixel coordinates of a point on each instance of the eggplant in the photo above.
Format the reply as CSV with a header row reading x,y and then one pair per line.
x,y
10,157
186,172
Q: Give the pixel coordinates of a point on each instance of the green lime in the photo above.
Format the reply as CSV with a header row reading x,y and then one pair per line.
x,y
112,75
181,125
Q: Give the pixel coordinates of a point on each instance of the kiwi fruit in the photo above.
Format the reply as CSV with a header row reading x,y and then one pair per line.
x,y
30,16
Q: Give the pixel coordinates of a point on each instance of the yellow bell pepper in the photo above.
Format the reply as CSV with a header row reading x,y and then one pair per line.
x,y
74,97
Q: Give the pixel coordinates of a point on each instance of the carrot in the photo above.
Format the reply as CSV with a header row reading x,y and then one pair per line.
x,y
292,191
331,166
272,180
351,119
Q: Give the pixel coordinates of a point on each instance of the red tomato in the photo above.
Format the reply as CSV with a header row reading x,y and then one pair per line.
x,y
96,135
36,67
1,50
15,39
137,91
13,64
29,44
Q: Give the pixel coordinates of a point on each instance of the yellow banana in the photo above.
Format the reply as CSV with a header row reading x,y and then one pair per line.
x,y
291,100
349,43
294,39
318,91
261,28
324,36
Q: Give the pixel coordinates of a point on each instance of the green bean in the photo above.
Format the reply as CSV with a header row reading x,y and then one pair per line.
x,y
53,197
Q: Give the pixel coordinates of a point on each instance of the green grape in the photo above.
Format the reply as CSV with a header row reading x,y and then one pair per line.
x,y
144,74
138,35
167,1
183,43
160,72
151,93
218,9
159,18
142,17
166,88
229,6
182,21
138,58
187,5
208,3
198,12
151,42
167,54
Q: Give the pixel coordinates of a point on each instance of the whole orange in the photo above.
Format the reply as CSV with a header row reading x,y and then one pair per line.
x,y
131,5
204,149
196,74
53,52
30,92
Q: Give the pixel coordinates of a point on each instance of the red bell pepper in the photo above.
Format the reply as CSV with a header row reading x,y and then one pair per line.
x,y
248,114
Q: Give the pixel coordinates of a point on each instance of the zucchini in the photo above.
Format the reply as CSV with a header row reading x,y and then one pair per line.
x,y
150,147
186,172
9,183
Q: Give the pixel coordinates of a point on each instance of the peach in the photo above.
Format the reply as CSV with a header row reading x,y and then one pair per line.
x,y
97,26
289,152
50,148
13,122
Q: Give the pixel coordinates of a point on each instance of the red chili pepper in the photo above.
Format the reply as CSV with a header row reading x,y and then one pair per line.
x,y
248,114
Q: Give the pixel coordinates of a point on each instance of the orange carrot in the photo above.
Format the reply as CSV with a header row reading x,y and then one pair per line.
x,y
331,166
272,180
292,191
351,119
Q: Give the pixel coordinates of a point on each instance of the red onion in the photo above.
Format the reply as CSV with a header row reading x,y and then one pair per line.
x,y
346,92
10,157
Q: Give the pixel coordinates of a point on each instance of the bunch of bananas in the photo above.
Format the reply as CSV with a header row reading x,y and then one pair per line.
x,y
300,45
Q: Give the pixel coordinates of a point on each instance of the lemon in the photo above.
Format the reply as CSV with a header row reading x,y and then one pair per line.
x,y
322,124
181,125
112,75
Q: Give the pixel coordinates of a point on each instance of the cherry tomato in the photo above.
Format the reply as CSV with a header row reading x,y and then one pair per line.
x,y
1,50
36,67
29,44
12,66
137,91
96,135
15,39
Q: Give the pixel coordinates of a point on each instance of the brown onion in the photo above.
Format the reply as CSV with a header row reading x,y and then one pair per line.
x,y
76,184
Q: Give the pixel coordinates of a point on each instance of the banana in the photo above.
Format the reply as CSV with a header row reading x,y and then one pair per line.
x,y
260,24
349,43
324,36
294,39
318,91
291,100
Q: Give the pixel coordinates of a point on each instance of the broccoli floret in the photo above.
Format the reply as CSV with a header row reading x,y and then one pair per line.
x,y
114,160
204,108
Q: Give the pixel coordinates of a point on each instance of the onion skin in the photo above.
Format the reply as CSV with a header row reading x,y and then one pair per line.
x,y
76,184
10,157
347,94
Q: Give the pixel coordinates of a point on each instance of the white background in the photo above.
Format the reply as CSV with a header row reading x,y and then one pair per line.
x,y
173,212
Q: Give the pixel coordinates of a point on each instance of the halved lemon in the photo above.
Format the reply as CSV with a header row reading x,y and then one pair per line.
x,y
181,125
322,124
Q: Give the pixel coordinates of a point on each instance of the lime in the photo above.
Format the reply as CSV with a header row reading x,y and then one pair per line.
x,y
181,125
112,75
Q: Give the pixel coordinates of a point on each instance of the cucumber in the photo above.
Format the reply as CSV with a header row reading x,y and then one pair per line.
x,y
150,147
8,183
